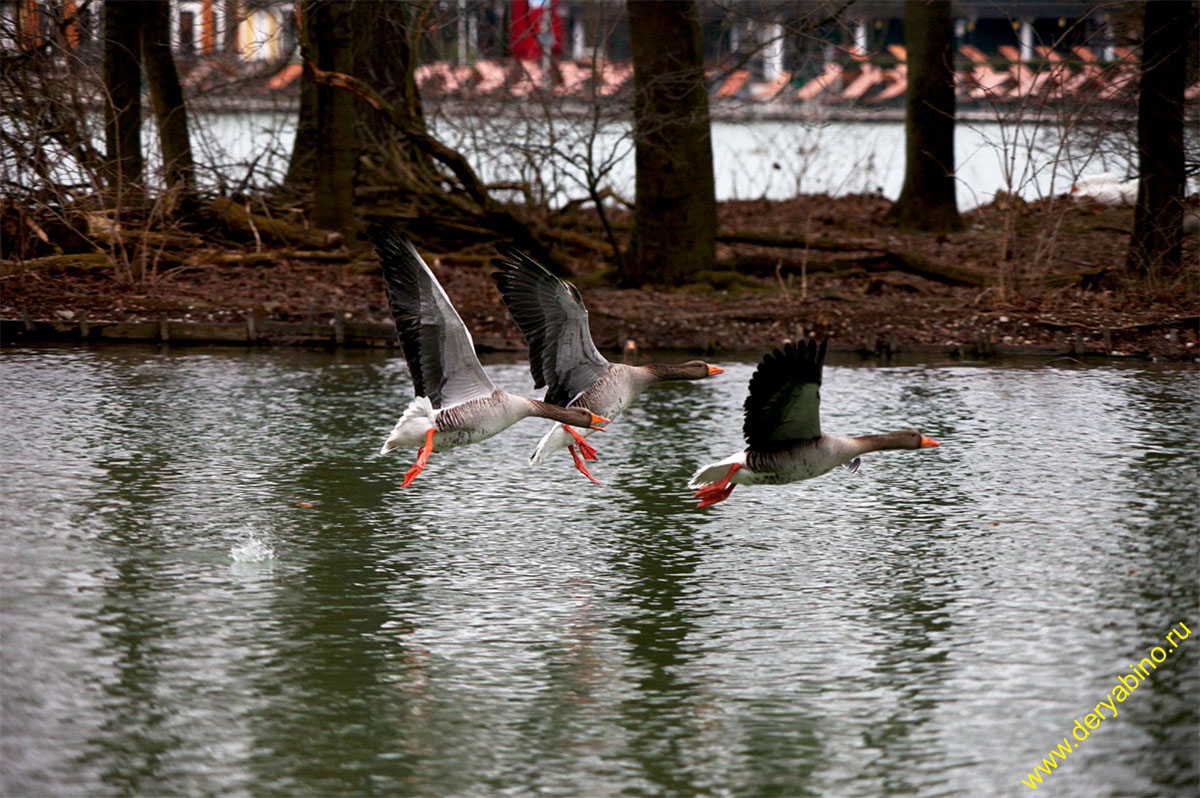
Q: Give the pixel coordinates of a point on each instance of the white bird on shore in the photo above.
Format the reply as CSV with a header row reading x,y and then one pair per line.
x,y
1106,189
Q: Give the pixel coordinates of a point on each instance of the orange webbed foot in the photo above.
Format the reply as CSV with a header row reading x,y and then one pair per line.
x,y
717,491
579,465
708,497
422,459
586,449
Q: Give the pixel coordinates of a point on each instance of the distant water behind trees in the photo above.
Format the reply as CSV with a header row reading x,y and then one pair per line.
x,y
768,159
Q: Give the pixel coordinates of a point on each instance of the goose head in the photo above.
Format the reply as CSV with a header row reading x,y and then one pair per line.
x,y
911,439
691,370
582,417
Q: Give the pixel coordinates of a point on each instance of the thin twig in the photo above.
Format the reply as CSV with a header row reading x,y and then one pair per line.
x,y
253,228
804,258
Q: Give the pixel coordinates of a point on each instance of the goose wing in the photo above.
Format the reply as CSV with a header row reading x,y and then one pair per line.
x,y
437,345
554,321
784,403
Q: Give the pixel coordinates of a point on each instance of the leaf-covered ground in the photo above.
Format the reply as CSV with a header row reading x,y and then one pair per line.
x,y
1014,245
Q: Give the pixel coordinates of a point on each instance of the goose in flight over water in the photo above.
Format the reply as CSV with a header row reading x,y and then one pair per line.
x,y
782,428
563,357
456,404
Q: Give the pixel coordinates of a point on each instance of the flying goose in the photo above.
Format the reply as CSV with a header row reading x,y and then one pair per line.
x,y
456,404
563,357
782,427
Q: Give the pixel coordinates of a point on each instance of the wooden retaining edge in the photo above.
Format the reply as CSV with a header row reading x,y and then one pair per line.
x,y
382,335
251,332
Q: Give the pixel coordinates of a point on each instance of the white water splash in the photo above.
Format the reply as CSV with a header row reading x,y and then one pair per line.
x,y
252,549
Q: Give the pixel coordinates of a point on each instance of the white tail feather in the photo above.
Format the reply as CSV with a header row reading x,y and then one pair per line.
x,y
714,471
418,417
555,438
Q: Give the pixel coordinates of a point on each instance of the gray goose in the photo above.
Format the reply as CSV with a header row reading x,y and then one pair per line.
x,y
782,428
456,404
563,357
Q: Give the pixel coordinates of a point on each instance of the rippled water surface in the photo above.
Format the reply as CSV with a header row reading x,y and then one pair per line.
x,y
212,585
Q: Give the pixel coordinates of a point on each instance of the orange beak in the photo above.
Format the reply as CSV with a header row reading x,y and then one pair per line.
x,y
597,420
927,443
714,370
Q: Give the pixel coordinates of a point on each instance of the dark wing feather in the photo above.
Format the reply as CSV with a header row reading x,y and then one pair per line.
x,y
784,402
554,321
437,345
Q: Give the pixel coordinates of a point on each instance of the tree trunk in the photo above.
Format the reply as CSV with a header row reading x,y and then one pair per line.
x,y
927,200
675,216
301,167
1156,247
122,107
433,204
384,57
333,185
169,109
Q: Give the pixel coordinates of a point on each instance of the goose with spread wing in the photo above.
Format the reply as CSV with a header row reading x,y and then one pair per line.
x,y
456,403
563,357
782,428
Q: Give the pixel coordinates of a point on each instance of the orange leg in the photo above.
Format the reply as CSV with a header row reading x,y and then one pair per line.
x,y
579,464
718,491
422,459
588,451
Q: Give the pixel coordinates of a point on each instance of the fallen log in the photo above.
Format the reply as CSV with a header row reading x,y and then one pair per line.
x,y
222,258
332,256
266,257
108,231
234,216
1084,277
766,265
82,261
908,262
947,273
762,239
578,239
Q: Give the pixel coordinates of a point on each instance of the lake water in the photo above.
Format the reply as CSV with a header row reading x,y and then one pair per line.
x,y
212,585
772,159
758,159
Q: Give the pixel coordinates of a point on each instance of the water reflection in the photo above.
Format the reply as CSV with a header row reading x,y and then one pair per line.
x,y
134,742
1161,481
339,653
931,624
910,577
913,613
656,553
